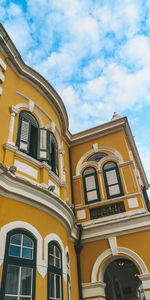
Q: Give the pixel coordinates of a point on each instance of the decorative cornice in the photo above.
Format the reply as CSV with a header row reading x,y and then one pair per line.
x,y
13,57
119,225
37,196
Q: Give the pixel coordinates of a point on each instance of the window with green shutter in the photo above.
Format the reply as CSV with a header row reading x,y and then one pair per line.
x,y
27,133
112,180
37,142
90,183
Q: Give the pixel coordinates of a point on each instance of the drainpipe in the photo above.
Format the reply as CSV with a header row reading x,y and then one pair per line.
x,y
78,248
72,193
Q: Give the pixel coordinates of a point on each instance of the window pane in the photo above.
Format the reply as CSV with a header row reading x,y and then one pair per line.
x,y
10,298
25,298
109,166
58,286
27,253
57,252
16,239
51,284
57,263
12,279
111,177
114,190
51,250
92,195
88,171
51,260
14,251
27,241
90,183
25,282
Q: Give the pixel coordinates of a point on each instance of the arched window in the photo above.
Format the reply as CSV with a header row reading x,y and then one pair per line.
x,y
27,133
55,284
18,280
37,142
90,183
112,180
68,277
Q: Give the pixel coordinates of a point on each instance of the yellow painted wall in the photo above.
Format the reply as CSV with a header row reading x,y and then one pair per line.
x,y
114,140
89,254
45,224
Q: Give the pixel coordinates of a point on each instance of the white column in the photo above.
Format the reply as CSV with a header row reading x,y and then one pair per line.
x,y
145,279
13,111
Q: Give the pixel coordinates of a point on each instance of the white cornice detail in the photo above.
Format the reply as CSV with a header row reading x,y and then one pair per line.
x,y
92,290
125,224
38,196
109,202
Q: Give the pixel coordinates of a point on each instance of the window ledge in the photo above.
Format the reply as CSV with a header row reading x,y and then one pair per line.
x,y
35,162
101,202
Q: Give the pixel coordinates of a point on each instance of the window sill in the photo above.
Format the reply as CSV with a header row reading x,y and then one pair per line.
x,y
35,162
103,202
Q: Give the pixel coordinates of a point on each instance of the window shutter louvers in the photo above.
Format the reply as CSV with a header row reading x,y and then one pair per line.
x,y
43,144
24,136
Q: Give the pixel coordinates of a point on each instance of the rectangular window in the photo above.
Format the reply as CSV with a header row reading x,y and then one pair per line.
x,y
18,283
54,286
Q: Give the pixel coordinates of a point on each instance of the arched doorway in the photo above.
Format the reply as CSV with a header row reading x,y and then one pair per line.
x,y
122,282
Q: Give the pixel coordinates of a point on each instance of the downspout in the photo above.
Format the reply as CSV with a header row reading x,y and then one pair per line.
x,y
72,192
78,248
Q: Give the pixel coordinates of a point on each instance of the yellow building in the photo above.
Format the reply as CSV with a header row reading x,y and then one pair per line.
x,y
74,213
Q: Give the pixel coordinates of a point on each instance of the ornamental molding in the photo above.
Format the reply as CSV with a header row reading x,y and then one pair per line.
x,y
125,223
105,258
41,264
38,196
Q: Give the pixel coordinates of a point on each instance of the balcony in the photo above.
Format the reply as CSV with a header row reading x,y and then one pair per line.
x,y
107,210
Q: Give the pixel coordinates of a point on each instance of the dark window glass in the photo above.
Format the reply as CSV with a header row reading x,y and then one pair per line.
x,y
97,156
90,183
54,272
18,280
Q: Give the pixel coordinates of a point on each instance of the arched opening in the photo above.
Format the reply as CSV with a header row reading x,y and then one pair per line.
x,y
122,282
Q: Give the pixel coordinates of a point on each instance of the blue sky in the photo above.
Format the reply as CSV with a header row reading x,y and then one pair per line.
x,y
95,53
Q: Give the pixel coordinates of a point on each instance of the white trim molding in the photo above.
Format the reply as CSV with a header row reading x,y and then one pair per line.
x,y
96,289
113,245
106,258
23,225
41,264
145,281
114,155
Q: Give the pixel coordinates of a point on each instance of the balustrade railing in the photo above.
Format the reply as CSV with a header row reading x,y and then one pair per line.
x,y
107,210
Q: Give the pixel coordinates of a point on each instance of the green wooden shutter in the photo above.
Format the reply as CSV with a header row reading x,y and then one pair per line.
x,y
33,141
43,144
54,155
24,136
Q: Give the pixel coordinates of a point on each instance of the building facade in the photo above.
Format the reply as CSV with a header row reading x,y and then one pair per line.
x,y
74,213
